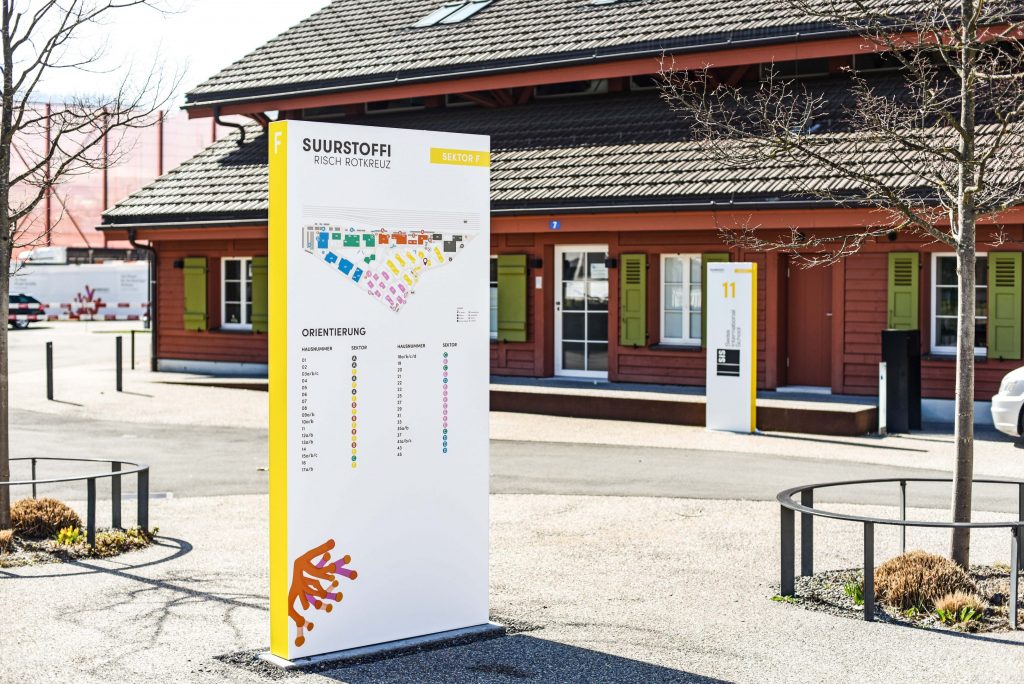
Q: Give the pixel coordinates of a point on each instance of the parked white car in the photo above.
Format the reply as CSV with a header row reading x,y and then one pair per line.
x,y
1006,406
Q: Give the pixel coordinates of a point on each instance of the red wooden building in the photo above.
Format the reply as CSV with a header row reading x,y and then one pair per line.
x,y
604,211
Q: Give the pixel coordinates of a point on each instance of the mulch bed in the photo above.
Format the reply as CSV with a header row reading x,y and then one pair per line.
x,y
110,543
824,592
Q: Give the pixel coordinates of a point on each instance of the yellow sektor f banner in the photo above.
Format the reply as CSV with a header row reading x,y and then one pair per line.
x,y
440,155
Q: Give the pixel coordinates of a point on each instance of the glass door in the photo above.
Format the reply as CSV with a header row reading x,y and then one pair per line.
x,y
581,311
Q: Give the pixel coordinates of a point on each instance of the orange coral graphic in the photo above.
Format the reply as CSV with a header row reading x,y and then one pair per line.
x,y
314,584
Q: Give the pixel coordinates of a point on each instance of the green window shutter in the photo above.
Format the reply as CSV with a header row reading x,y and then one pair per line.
x,y
512,297
705,259
633,300
903,292
195,293
1004,305
259,294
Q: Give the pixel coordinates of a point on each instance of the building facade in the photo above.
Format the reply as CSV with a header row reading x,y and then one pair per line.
x,y
605,212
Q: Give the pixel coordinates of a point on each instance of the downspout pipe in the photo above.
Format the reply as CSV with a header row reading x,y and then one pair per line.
x,y
217,120
152,295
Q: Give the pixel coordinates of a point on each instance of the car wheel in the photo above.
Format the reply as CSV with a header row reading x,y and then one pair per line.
x,y
19,325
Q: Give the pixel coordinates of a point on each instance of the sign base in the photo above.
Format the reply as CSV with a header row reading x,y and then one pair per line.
x,y
455,636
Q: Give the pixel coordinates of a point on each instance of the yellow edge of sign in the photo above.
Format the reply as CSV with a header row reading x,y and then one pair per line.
x,y
278,385
441,155
753,348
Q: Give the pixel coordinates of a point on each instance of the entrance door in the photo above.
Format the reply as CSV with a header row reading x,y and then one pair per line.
x,y
809,326
581,311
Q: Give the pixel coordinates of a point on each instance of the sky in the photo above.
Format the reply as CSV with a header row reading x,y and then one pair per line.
x,y
199,39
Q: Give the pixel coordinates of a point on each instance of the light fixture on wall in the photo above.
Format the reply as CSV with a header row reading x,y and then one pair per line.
x,y
611,262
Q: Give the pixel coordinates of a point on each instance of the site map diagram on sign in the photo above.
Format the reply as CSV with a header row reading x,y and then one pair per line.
x,y
385,254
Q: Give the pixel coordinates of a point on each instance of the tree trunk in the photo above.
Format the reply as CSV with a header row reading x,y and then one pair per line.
x,y
5,445
965,224
6,252
963,474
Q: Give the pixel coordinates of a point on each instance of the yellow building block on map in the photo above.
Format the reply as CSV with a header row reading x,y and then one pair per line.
x,y
440,257
398,257
394,269
408,279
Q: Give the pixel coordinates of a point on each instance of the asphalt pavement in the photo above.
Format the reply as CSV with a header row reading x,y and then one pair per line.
x,y
222,460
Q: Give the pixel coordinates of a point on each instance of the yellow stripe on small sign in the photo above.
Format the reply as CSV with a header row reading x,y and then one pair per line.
x,y
440,155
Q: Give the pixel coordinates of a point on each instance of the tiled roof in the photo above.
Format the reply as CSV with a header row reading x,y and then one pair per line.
x,y
612,150
363,43
226,181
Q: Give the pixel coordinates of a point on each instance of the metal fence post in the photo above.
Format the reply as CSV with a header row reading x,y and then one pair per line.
x,y
869,571
117,354
143,488
807,535
90,515
1020,516
903,516
787,580
133,350
1015,533
115,496
33,477
49,371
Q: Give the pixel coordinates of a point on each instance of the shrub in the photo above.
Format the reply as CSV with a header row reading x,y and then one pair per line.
x,y
959,607
919,579
42,518
855,590
116,542
69,536
6,540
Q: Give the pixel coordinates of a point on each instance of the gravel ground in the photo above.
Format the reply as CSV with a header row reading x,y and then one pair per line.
x,y
824,591
609,589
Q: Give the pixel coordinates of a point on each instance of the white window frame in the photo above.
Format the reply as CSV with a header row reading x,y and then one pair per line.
x,y
494,288
690,338
934,323
245,266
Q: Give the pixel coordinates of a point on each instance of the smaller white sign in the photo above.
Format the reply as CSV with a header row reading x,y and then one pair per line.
x,y
731,389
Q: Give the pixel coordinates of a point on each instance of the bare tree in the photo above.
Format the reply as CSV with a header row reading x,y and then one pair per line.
x,y
933,157
82,134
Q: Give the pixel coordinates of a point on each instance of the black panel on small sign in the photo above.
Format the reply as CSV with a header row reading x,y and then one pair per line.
x,y
728,362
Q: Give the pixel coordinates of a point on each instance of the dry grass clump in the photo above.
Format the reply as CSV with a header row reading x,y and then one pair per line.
x,y
6,540
116,542
918,579
959,601
42,518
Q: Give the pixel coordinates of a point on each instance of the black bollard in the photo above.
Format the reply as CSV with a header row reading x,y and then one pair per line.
x,y
133,350
118,361
49,371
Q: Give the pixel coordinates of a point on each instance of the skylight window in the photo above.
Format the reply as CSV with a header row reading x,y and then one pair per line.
x,y
452,13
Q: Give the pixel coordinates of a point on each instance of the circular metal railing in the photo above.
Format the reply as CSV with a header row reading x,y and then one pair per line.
x,y
117,471
805,507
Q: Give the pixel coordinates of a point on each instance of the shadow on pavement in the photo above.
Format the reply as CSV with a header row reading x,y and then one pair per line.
x,y
826,440
512,659
176,547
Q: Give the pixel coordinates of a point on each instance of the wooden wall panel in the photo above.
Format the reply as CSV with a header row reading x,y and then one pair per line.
x,y
173,341
866,316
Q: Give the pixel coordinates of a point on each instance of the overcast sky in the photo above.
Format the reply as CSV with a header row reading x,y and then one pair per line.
x,y
199,40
